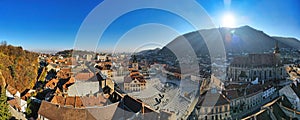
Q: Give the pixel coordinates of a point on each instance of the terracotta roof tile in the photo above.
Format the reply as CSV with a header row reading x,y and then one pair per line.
x,y
78,102
58,100
52,83
214,99
52,111
84,76
231,94
70,101
14,103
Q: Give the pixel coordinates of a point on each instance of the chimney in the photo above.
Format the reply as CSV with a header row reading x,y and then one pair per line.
x,y
91,94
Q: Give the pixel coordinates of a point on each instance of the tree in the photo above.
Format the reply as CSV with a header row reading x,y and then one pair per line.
x,y
4,110
28,109
4,43
19,67
43,75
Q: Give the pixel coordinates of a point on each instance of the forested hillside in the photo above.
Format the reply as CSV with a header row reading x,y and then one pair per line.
x,y
18,67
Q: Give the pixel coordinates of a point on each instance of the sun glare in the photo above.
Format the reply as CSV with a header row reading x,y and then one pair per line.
x,y
228,20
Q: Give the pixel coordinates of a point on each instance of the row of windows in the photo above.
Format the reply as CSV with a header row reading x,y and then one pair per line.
x,y
137,85
216,109
263,74
216,117
133,89
134,85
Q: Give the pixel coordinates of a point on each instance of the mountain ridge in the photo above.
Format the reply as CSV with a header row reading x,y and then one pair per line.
x,y
244,39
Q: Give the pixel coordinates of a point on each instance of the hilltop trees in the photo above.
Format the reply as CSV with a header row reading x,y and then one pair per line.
x,y
4,43
19,67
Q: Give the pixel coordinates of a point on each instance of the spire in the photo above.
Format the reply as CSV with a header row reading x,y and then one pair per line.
x,y
276,49
135,64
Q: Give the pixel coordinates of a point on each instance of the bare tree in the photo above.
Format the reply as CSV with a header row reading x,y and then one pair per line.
x,y
4,43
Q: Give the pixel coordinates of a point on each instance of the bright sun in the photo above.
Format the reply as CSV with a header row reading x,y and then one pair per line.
x,y
228,20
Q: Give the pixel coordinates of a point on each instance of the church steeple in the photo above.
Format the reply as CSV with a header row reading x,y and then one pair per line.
x,y
135,64
276,49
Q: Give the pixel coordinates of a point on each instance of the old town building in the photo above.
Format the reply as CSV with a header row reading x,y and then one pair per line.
x,y
215,106
135,81
265,67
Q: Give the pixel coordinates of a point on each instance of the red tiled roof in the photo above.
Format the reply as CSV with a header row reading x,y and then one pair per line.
x,y
63,75
79,102
84,76
66,70
70,101
52,111
214,99
142,80
58,100
94,101
231,94
128,79
52,83
14,103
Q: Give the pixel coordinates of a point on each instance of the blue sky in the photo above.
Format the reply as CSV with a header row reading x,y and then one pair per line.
x,y
53,25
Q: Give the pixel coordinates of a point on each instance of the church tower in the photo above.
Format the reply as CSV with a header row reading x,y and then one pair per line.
x,y
276,49
135,64
277,59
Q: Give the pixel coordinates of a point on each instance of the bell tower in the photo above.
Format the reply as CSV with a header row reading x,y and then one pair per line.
x,y
135,64
276,49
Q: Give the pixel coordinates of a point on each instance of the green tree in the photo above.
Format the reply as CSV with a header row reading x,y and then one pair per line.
x,y
43,75
28,109
4,110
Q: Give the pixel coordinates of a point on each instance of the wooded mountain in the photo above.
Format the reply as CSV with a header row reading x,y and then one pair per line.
x,y
18,67
244,39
